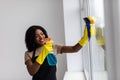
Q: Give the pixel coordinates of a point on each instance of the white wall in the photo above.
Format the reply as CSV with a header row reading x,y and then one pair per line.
x,y
112,32
15,17
72,33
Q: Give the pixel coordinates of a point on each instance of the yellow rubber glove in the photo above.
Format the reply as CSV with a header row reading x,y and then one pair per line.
x,y
91,19
47,48
83,41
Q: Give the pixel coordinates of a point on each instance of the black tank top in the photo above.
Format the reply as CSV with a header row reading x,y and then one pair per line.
x,y
45,72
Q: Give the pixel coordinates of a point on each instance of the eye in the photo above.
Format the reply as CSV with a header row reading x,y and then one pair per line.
x,y
36,35
42,34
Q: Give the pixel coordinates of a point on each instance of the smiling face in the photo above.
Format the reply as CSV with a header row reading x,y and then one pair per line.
x,y
39,37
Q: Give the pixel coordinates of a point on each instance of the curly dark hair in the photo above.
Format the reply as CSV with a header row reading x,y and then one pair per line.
x,y
30,37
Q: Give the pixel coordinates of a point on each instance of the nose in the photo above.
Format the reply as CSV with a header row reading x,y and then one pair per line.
x,y
40,35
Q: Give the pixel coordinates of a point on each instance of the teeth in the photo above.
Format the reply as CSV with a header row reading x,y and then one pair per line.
x,y
40,39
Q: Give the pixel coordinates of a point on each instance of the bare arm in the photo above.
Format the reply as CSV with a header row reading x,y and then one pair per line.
x,y
32,67
71,49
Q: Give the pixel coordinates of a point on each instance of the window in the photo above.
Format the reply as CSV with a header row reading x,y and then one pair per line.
x,y
94,53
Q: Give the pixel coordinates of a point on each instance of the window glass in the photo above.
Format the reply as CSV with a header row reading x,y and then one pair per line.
x,y
94,53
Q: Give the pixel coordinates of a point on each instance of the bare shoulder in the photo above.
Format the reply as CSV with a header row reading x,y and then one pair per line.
x,y
57,48
28,56
27,53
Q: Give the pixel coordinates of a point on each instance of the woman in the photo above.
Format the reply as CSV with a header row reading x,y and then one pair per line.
x,y
40,57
